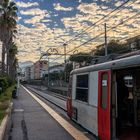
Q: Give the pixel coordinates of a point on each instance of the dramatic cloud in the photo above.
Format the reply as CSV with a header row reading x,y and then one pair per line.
x,y
60,22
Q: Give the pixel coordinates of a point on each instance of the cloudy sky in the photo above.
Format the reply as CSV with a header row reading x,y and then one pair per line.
x,y
43,24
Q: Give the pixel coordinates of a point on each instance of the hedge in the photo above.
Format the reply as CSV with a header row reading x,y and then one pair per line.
x,y
5,82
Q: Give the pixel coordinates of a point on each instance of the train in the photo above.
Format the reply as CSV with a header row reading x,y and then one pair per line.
x,y
100,100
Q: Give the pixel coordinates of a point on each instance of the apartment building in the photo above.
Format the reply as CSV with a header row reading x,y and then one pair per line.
x,y
40,69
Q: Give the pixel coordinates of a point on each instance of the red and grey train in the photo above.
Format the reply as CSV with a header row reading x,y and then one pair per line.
x,y
100,100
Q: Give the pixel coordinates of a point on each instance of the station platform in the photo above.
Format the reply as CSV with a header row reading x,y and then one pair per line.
x,y
30,121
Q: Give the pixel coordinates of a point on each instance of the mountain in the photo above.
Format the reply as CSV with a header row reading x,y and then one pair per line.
x,y
22,65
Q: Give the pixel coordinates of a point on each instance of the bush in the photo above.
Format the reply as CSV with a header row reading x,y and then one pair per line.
x,y
10,81
2,114
3,83
5,100
6,82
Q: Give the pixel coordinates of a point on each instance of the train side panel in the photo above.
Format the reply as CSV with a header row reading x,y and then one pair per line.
x,y
85,112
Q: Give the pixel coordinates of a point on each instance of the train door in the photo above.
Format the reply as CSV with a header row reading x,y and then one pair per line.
x,y
104,105
127,104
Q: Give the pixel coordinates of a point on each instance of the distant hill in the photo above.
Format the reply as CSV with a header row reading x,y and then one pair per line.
x,y
25,64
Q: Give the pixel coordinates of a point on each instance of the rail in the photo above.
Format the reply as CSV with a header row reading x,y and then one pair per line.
x,y
44,96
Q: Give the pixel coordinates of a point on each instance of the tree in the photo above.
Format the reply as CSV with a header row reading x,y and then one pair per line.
x,y
8,11
15,65
114,46
12,60
10,46
81,58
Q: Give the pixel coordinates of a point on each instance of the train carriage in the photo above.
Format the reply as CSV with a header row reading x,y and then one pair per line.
x,y
100,101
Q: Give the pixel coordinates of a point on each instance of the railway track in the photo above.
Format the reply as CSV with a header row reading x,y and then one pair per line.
x,y
51,97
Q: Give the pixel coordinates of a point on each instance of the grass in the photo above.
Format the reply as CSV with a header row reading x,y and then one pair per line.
x,y
5,99
2,114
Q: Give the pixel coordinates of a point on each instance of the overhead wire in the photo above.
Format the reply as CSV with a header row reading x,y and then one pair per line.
x,y
100,34
106,16
107,31
74,38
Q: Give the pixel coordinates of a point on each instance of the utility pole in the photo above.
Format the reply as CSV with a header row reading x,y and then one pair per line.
x,y
65,57
105,40
65,53
48,73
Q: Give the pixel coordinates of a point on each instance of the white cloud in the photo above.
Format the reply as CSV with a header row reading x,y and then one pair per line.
x,y
40,36
27,4
34,20
34,11
58,7
46,20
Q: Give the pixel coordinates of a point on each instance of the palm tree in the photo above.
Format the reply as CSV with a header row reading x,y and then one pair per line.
x,y
12,60
8,23
10,46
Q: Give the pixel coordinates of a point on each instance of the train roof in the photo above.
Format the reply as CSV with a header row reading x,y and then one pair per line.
x,y
132,61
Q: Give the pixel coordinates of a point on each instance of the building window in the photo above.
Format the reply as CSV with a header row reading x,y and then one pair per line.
x,y
82,88
104,90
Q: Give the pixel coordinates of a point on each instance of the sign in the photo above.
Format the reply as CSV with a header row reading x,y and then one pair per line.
x,y
104,82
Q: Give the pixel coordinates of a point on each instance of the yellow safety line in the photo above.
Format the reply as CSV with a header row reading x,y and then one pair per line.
x,y
75,133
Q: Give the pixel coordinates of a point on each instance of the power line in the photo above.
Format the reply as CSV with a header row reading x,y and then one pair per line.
x,y
99,21
100,34
107,31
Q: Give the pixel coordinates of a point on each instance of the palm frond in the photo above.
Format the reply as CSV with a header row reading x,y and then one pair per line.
x,y
5,3
1,8
12,4
13,49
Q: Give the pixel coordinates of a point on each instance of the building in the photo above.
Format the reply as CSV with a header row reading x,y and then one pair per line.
x,y
32,72
27,73
134,42
40,69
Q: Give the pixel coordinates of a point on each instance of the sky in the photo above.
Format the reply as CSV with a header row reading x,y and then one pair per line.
x,y
44,24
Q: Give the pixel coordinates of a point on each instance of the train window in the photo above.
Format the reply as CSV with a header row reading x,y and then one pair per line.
x,y
104,90
82,87
128,81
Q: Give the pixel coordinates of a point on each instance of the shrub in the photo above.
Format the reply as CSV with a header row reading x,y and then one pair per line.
x,y
3,83
10,81
6,82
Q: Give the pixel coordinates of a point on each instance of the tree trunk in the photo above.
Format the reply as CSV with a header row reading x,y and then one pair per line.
x,y
4,42
11,70
14,71
3,58
1,1
8,46
7,63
